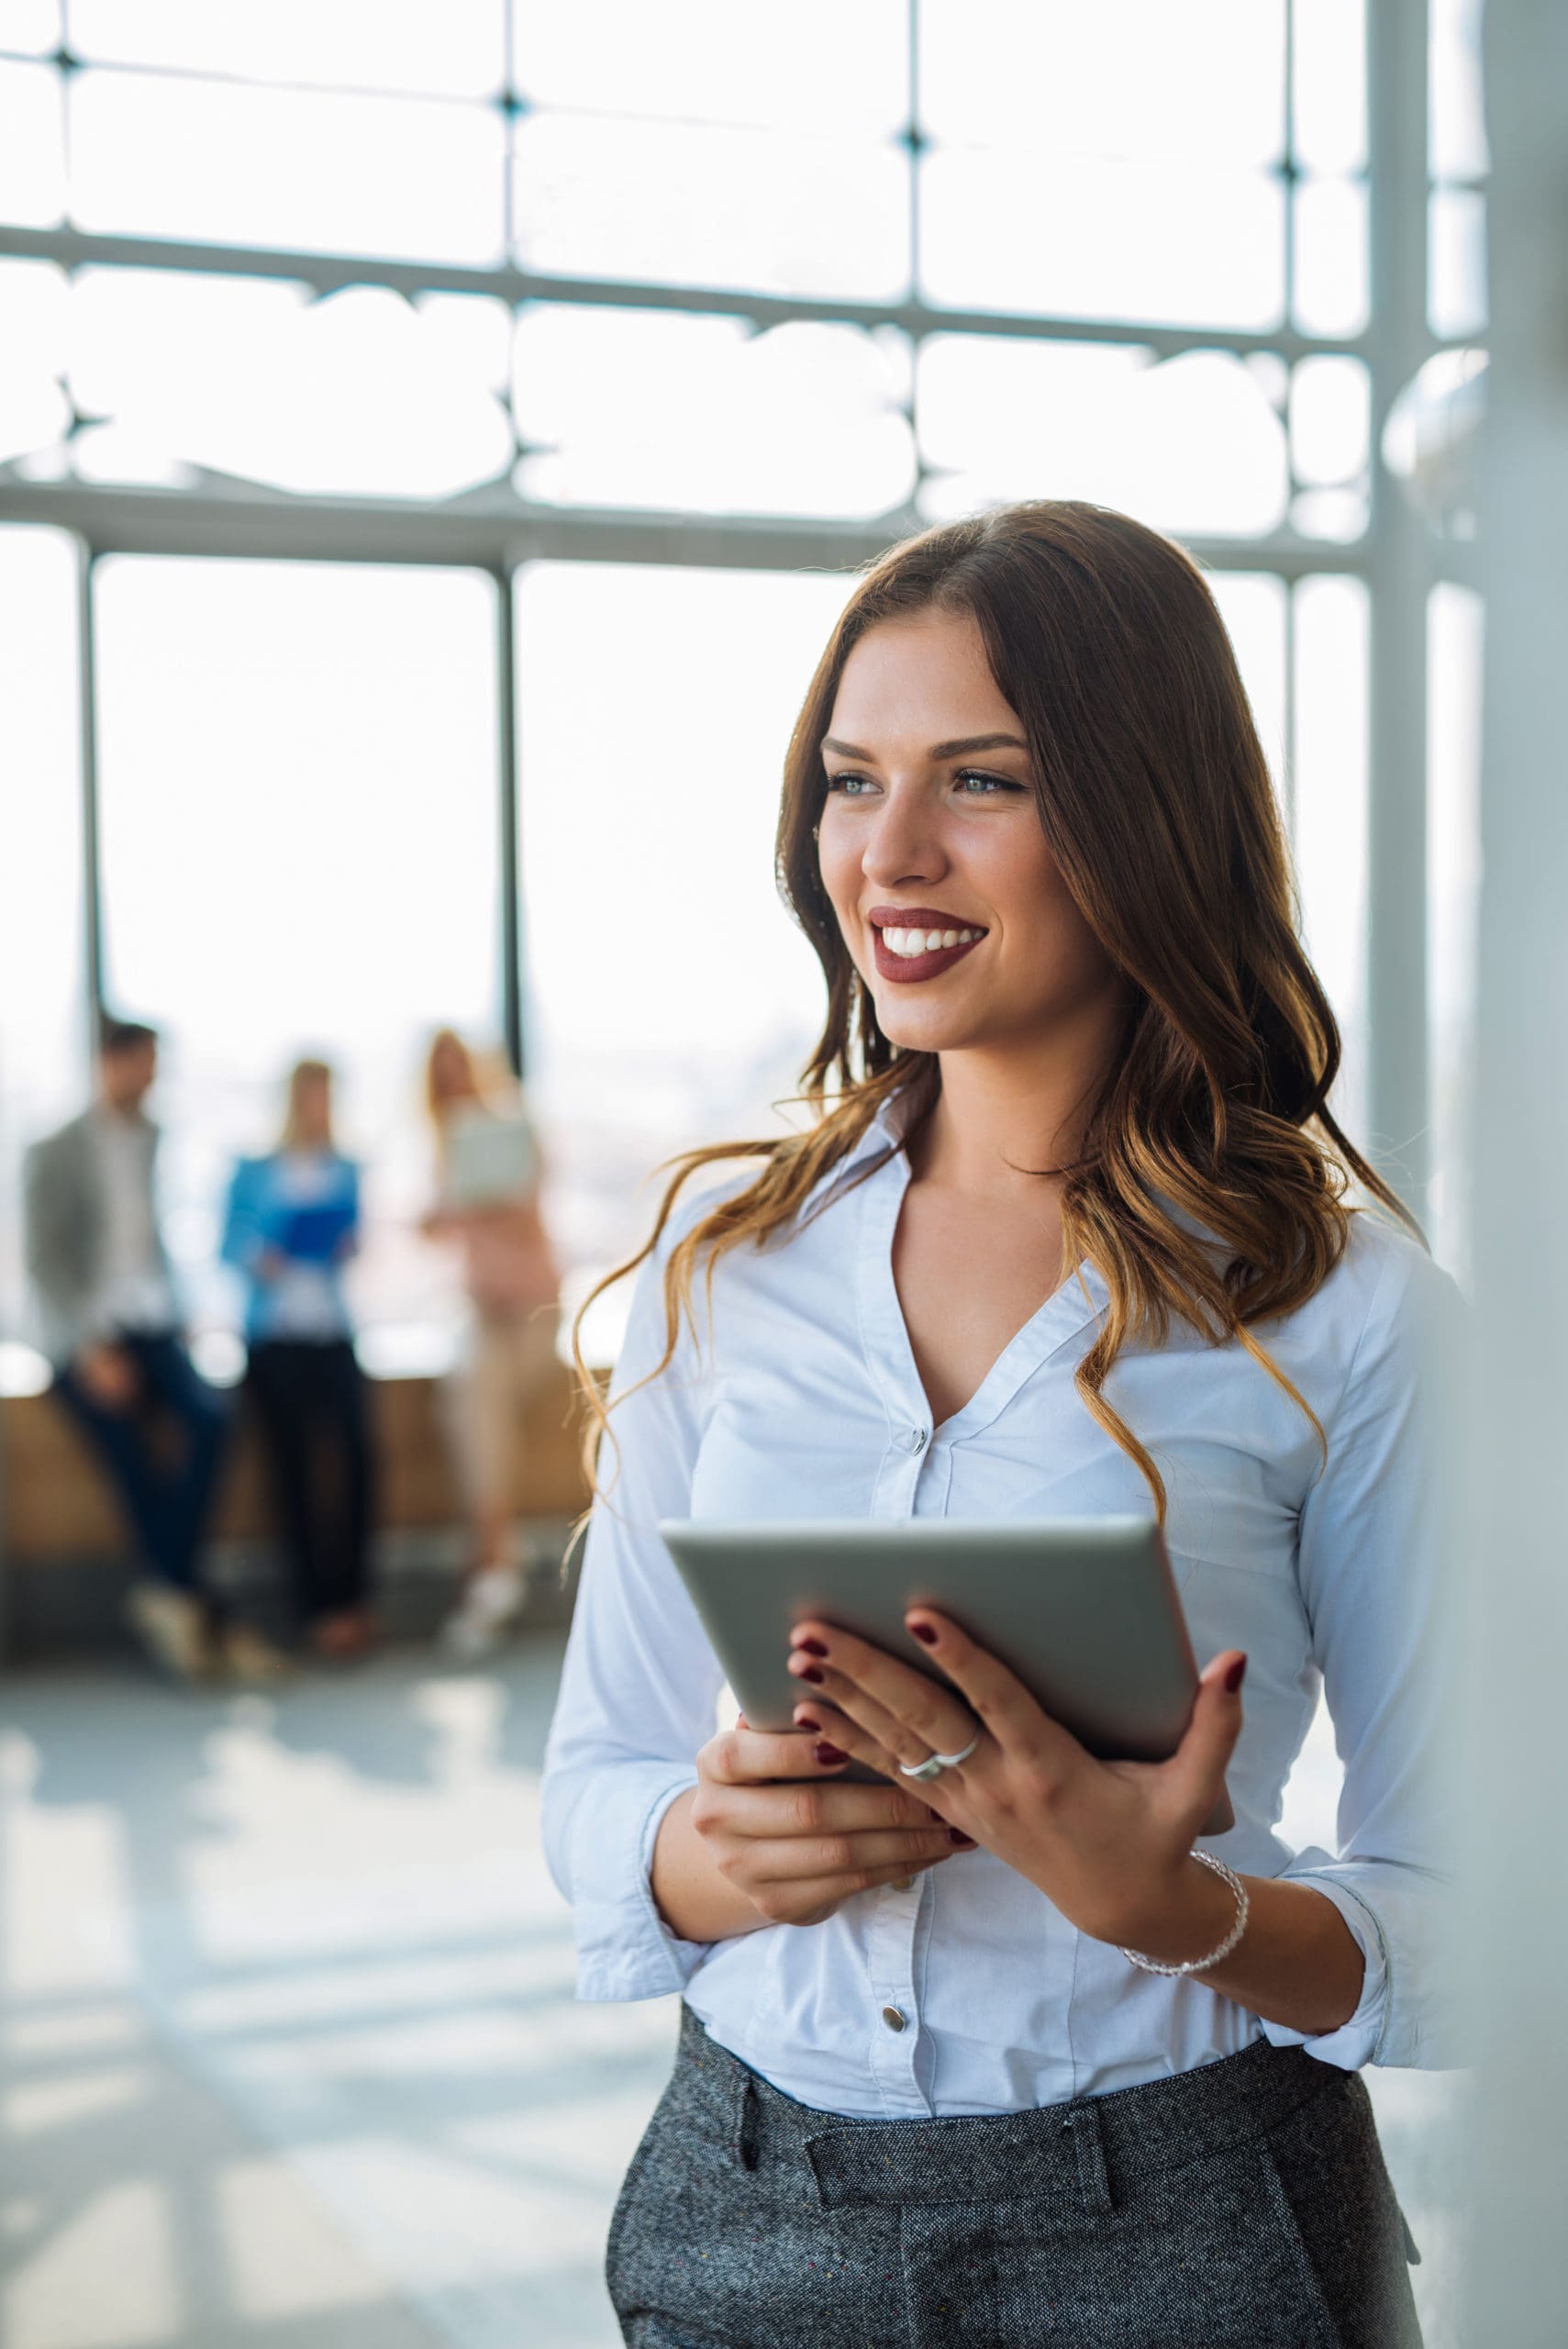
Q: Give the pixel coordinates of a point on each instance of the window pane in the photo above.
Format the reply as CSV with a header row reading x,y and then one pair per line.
x,y
1457,126
1330,420
685,1006
29,26
1191,445
1340,516
298,783
1328,92
456,51
358,395
1330,814
1457,264
1204,81
297,167
645,408
1330,257
1252,605
43,1021
32,147
33,411
812,64
1080,237
1454,633
780,214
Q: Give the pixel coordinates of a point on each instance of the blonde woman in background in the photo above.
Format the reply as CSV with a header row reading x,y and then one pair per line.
x,y
487,1198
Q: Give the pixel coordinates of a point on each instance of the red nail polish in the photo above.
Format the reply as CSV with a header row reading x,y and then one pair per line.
x,y
804,1720
810,1672
827,1754
810,1647
964,1843
925,1633
1236,1674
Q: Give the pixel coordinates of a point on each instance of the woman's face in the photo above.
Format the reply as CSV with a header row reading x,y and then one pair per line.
x,y
313,1106
951,903
452,1074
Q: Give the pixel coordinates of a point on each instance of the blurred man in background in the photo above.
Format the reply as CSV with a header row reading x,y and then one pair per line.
x,y
111,1325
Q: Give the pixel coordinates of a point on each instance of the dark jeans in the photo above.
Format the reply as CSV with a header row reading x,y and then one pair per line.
x,y
161,1454
310,1399
1243,2205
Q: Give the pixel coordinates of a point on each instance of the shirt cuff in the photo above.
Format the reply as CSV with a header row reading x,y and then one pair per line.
x,y
1361,2039
625,1950
688,1955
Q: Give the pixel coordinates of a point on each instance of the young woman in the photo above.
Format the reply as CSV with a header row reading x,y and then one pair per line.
x,y
990,2056
487,1172
293,1223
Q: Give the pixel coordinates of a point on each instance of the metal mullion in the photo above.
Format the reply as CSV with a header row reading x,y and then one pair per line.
x,y
327,273
87,752
1399,569
342,531
507,841
229,80
1287,748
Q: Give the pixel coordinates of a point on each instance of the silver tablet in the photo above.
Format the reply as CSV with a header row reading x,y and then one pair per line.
x,y
1083,1609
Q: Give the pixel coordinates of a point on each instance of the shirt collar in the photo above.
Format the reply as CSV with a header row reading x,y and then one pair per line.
x,y
882,1138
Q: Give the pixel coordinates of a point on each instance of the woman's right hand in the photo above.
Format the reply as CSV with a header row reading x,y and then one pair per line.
x,y
787,1848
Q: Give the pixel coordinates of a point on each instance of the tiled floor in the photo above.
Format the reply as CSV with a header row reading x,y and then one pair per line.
x,y
289,2057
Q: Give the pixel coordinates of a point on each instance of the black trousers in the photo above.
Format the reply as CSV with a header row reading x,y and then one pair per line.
x,y
311,1403
162,1453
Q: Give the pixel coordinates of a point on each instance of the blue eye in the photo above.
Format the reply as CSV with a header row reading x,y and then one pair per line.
x,y
847,786
991,787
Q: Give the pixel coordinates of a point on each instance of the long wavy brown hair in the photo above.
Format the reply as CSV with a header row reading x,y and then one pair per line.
x,y
1157,806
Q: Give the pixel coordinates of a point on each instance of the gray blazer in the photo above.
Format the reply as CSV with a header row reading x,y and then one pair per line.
x,y
63,1220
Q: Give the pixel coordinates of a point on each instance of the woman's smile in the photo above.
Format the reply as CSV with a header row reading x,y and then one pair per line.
x,y
914,943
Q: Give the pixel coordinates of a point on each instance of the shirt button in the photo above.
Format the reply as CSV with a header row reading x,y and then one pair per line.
x,y
894,2017
918,1438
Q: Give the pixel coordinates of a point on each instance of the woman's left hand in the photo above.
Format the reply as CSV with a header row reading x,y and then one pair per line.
x,y
1105,1841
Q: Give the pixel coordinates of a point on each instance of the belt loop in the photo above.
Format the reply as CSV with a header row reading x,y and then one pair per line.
x,y
1083,2123
746,2122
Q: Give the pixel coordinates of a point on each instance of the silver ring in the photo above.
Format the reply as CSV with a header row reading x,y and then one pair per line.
x,y
935,1764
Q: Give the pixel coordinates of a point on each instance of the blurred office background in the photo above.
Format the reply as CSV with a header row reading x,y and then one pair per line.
x,y
433,443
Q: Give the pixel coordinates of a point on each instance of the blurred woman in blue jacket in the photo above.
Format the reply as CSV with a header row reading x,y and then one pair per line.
x,y
293,1222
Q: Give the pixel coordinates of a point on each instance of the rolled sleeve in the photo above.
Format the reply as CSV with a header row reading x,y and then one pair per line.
x,y
640,1682
1359,2039
1376,1576
625,1950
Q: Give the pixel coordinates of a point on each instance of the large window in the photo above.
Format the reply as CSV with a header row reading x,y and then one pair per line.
x,y
671,1001
299,796
668,317
43,994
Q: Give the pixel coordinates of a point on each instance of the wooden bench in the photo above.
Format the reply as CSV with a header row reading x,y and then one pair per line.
x,y
59,1524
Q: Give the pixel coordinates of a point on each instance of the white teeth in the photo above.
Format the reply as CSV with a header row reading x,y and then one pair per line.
x,y
909,943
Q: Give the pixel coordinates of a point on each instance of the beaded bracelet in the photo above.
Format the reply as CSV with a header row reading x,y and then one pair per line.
x,y
1202,1964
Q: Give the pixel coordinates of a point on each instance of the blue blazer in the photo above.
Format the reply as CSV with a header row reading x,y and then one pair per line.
x,y
314,1235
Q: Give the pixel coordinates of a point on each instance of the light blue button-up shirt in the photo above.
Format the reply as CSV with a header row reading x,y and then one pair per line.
x,y
802,1400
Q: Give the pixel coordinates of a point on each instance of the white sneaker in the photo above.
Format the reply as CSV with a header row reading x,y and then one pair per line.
x,y
173,1628
491,1601
247,1656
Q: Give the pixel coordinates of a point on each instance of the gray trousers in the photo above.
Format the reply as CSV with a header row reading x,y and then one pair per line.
x,y
1244,2205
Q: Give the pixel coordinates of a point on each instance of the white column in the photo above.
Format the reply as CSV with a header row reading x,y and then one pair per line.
x,y
1518,1546
1400,573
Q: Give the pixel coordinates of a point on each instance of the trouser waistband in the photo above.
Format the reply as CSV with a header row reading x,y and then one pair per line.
x,y
1089,2153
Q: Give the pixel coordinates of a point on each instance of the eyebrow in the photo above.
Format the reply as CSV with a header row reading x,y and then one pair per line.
x,y
957,750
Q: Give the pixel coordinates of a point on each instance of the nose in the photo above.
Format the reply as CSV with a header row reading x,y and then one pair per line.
x,y
904,842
